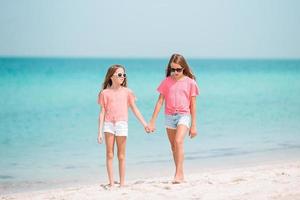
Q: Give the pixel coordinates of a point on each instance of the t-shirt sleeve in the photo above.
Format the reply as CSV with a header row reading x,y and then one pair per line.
x,y
194,89
101,99
131,97
162,87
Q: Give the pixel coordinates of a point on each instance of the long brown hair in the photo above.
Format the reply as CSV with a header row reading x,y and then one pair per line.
x,y
179,59
110,72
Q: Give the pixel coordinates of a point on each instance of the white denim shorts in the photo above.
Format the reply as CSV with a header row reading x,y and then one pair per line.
x,y
119,128
172,121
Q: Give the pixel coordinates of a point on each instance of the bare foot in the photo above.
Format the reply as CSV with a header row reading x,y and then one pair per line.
x,y
122,185
177,182
107,186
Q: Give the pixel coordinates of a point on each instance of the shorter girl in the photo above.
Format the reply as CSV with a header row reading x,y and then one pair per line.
x,y
179,90
114,100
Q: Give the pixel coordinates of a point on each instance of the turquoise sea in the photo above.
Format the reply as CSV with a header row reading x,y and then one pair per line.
x,y
248,112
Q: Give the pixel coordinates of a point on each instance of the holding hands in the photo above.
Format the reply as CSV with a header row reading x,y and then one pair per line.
x,y
150,128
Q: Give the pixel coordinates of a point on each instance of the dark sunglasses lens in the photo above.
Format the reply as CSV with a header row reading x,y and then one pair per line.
x,y
120,75
177,69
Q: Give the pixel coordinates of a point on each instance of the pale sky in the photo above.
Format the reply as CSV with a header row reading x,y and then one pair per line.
x,y
156,28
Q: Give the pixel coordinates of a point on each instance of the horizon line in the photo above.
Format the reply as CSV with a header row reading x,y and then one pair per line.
x,y
145,57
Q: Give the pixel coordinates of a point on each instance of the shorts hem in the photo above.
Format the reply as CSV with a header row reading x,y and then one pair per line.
x,y
107,132
169,127
184,125
126,135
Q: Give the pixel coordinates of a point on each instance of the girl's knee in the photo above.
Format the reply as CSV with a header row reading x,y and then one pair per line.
x,y
109,155
178,142
173,148
121,156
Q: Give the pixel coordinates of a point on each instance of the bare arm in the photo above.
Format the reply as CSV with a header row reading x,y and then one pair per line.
x,y
157,108
100,124
193,129
138,114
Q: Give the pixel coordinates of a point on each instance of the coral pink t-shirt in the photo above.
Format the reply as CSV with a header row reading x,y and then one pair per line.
x,y
116,103
178,94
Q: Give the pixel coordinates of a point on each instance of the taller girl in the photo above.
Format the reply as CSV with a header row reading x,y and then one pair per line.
x,y
179,90
115,99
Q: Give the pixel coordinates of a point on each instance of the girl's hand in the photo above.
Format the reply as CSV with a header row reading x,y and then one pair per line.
x,y
193,131
147,129
100,138
151,126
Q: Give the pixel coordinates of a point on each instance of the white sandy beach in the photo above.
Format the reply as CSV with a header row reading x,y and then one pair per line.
x,y
266,181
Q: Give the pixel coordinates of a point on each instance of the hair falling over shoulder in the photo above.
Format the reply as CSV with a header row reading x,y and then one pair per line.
x,y
179,59
110,72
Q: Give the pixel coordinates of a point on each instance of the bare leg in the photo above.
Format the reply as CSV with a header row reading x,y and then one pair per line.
x,y
121,144
110,141
179,152
171,136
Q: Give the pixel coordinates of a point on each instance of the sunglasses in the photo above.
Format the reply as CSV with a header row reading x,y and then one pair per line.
x,y
120,75
176,69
